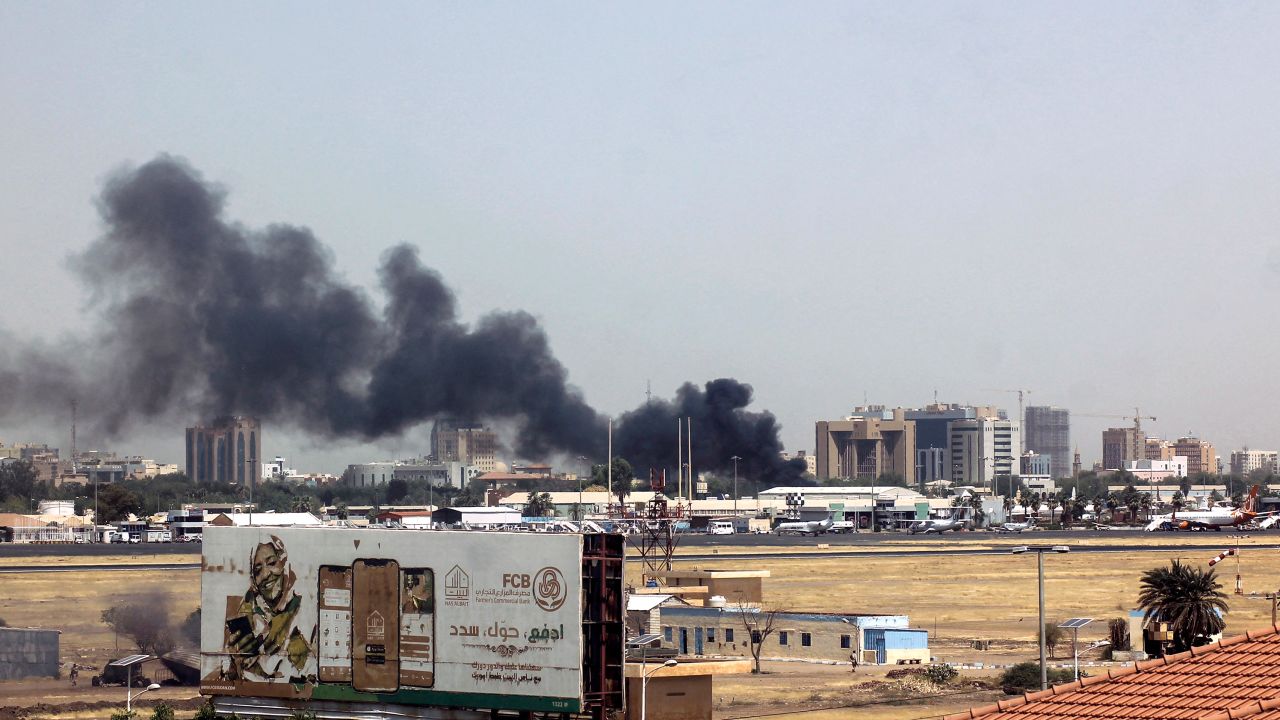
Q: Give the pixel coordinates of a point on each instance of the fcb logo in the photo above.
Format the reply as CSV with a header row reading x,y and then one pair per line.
x,y
549,590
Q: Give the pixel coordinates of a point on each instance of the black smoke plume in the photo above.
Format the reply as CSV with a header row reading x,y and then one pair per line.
x,y
722,428
203,317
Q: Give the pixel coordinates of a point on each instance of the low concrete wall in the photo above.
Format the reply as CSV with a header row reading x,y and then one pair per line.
x,y
28,652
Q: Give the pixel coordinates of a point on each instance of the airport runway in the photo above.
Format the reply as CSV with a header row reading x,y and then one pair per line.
x,y
704,548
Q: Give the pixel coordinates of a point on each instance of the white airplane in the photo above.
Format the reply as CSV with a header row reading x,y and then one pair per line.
x,y
812,527
1214,518
936,525
1017,527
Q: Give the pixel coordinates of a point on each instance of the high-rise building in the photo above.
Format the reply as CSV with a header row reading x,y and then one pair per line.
x,y
1049,434
933,448
225,451
1158,449
1246,461
471,444
1120,445
984,449
1200,455
866,447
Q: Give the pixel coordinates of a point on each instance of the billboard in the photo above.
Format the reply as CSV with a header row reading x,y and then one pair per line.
x,y
454,619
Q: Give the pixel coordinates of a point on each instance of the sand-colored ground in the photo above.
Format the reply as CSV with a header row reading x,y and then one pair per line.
x,y
138,558
958,598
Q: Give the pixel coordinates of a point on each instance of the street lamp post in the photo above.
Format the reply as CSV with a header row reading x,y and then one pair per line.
x,y
1040,550
586,464
129,696
644,679
735,460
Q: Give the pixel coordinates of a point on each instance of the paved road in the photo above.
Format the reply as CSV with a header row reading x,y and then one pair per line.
x,y
141,550
873,549
136,567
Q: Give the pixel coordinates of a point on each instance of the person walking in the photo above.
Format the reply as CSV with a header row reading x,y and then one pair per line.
x,y
853,662
75,674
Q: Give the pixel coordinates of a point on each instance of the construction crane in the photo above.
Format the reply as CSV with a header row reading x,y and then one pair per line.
x,y
1022,431
1137,417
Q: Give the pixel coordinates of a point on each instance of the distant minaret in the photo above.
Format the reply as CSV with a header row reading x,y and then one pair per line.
x,y
1075,464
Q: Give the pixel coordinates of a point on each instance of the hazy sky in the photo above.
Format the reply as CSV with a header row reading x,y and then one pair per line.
x,y
824,200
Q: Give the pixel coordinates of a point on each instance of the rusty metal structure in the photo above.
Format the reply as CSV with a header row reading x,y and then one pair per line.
x,y
603,626
656,538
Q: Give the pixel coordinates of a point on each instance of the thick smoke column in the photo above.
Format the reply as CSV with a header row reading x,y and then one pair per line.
x,y
203,317
722,428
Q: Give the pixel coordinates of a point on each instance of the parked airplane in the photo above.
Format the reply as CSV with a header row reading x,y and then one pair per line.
x,y
1017,527
1214,518
812,527
936,525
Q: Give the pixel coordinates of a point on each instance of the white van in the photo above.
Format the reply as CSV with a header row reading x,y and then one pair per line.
x,y
720,527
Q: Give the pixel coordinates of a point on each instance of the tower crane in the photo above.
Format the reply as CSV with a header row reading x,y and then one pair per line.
x,y
1022,431
1137,417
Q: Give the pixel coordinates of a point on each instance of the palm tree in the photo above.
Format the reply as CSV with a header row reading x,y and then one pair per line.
x,y
1188,598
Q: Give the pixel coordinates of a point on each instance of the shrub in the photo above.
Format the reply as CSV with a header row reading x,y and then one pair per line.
x,y
1025,676
206,712
162,711
941,674
123,715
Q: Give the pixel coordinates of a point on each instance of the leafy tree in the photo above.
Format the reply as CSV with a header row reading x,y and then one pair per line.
x,y
891,479
397,490
979,516
538,505
146,624
471,496
1052,636
1068,515
162,711
623,477
17,480
1188,598
115,503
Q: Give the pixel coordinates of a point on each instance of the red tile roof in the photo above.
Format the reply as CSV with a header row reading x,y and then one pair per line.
x,y
1238,677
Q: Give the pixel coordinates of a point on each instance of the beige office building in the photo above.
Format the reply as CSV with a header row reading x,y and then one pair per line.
x,y
1158,449
1122,445
866,447
1200,455
1246,461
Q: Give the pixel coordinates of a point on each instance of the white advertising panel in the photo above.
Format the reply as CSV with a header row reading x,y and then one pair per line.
x,y
449,618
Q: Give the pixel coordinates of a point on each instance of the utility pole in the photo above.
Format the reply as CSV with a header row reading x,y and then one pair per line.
x,y
735,460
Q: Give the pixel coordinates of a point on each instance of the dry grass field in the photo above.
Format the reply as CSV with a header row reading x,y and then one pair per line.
x,y
958,598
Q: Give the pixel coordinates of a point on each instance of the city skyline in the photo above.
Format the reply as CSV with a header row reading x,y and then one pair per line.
x,y
875,202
